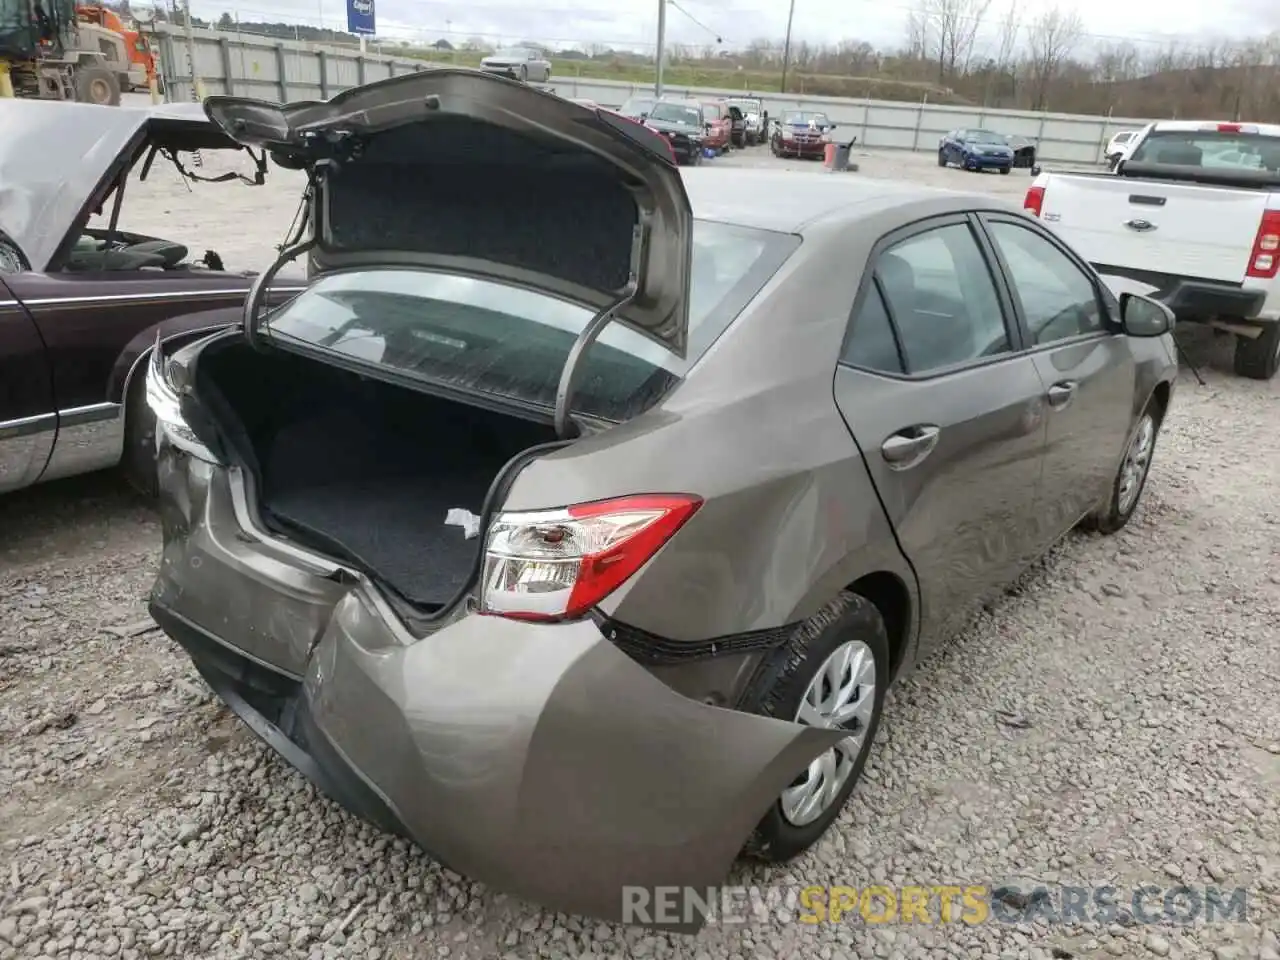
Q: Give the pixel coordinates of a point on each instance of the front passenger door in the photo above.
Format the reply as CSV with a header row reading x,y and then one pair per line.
x,y
1084,362
948,413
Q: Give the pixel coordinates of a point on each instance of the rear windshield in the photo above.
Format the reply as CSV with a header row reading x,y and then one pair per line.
x,y
489,337
1210,149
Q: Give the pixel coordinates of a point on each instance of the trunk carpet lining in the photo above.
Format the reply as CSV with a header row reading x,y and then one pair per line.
x,y
370,467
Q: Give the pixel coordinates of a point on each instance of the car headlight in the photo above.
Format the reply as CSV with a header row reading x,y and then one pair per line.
x,y
788,135
164,397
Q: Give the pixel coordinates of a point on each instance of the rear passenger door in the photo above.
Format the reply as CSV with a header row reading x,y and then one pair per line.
x,y
1084,363
948,413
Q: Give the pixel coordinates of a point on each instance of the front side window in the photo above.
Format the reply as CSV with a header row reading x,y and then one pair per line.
x,y
712,111
1058,299
942,299
512,342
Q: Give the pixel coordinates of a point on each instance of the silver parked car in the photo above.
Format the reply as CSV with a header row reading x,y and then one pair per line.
x,y
519,63
581,551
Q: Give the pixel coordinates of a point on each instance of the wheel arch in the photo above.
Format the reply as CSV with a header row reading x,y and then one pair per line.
x,y
894,600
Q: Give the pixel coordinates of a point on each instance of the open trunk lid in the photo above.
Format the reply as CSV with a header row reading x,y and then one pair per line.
x,y
476,175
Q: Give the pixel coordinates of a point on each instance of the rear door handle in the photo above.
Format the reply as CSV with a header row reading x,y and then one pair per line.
x,y
910,445
1060,394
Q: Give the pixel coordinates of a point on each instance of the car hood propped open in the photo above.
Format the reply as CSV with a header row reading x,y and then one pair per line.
x,y
477,175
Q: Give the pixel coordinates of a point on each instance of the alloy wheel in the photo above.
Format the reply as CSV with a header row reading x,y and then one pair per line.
x,y
841,696
1137,461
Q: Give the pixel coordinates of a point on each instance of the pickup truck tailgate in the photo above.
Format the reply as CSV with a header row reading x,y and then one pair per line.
x,y
1190,230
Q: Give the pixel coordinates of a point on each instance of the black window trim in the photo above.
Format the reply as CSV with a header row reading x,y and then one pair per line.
x,y
1013,327
1110,326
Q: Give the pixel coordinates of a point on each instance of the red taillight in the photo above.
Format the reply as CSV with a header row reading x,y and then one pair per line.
x,y
558,564
1229,128
1034,200
1265,257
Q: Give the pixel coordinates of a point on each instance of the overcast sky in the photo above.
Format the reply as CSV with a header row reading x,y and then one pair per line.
x,y
633,23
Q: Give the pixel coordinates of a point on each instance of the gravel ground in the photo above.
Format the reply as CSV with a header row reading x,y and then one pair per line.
x,y
1112,721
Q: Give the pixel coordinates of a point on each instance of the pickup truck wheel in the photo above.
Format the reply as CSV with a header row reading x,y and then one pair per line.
x,y
833,673
1131,478
1259,358
942,159
138,460
1004,170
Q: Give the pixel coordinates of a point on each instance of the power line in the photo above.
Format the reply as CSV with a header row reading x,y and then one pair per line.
x,y
714,33
415,31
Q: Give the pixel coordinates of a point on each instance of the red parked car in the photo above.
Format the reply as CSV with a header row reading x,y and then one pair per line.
x,y
718,124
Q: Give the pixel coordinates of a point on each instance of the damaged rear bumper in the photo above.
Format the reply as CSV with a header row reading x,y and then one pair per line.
x,y
536,758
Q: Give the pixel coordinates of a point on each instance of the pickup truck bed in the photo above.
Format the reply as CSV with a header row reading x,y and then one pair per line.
x,y
1195,216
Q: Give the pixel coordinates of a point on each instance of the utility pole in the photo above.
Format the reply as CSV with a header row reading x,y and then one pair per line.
x,y
197,88
662,45
786,46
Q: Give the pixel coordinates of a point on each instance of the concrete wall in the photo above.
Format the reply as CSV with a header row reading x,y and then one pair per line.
x,y
288,70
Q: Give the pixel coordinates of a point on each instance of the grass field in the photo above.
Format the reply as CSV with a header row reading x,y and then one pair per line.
x,y
702,75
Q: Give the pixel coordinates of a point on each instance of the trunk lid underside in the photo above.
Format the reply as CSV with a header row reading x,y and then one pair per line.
x,y
476,175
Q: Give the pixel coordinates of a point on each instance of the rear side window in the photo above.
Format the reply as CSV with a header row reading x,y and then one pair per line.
x,y
872,344
511,342
942,299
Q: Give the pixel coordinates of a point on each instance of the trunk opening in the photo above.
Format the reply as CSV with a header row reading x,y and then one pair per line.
x,y
359,468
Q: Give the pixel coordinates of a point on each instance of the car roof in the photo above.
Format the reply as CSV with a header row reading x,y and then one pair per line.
x,y
793,201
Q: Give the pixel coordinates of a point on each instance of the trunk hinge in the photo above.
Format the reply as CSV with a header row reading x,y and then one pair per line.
x,y
290,250
566,427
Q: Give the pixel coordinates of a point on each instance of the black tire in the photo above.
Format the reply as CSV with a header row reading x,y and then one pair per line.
x,y
777,689
524,74
773,147
98,85
1004,171
138,460
1259,358
942,159
1112,516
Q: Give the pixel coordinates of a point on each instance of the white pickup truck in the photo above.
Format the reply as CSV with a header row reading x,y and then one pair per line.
x,y
1191,213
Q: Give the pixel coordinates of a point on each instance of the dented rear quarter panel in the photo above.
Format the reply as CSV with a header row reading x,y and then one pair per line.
x,y
790,516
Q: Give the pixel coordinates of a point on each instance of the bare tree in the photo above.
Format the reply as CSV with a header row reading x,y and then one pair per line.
x,y
1051,38
944,30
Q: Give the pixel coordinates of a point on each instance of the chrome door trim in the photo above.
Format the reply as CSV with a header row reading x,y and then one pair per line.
x,y
89,438
130,297
25,444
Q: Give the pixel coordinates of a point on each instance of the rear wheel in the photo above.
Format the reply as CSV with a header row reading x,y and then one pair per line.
x,y
1004,170
833,674
524,74
1259,358
98,85
942,158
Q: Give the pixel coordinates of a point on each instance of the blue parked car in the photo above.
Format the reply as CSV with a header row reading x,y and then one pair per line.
x,y
976,150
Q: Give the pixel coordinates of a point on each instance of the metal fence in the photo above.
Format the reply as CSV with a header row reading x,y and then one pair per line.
x,y
228,62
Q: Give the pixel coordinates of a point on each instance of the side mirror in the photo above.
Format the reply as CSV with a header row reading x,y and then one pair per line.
x,y
831,126
1035,169
707,126
1141,316
644,116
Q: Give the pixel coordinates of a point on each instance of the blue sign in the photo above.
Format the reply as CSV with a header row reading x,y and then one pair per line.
x,y
360,18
